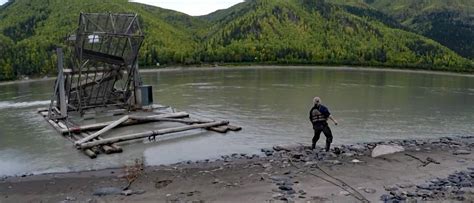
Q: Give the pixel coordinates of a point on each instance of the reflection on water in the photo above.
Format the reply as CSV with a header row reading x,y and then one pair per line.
x,y
271,104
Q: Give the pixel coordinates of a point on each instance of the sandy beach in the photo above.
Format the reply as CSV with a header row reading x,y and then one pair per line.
x,y
436,169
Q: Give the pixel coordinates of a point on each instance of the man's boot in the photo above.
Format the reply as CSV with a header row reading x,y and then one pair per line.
x,y
328,146
313,146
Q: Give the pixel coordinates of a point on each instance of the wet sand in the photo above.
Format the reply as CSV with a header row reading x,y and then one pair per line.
x,y
436,169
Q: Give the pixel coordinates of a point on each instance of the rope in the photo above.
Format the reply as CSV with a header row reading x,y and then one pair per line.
x,y
343,185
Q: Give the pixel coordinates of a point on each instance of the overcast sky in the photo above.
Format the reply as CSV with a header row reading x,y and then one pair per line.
x,y
191,7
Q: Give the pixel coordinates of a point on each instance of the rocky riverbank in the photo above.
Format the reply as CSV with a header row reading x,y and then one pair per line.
x,y
391,171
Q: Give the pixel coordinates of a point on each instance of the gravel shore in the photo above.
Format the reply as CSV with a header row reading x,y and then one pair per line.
x,y
435,170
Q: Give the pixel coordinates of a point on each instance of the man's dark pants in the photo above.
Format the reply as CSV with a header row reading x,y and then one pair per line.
x,y
323,127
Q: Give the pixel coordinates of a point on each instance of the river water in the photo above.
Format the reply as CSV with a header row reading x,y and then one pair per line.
x,y
270,103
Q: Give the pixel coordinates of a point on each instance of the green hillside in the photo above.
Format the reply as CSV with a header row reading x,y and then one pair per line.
x,y
451,23
308,31
256,31
32,29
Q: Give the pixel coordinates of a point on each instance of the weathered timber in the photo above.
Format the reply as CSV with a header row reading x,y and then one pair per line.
x,y
102,131
104,148
62,125
88,152
55,125
155,118
98,126
234,128
151,133
219,129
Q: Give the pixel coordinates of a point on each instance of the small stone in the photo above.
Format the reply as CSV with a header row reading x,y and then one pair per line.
x,y
277,196
334,162
69,198
461,152
385,197
348,154
285,187
424,186
356,161
297,155
127,192
380,150
310,163
390,188
345,193
370,190
407,185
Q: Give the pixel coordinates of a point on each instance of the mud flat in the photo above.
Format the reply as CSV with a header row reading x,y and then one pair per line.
x,y
435,169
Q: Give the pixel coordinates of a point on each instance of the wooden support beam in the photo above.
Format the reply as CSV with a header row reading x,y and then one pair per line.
x,y
99,126
102,131
151,133
156,118
88,152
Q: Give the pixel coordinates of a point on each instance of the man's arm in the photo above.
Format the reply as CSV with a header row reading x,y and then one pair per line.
x,y
333,120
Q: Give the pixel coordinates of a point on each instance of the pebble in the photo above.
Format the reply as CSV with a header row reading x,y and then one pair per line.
x,y
345,193
334,162
370,190
461,152
69,198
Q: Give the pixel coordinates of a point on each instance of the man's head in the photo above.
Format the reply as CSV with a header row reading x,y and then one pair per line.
x,y
317,101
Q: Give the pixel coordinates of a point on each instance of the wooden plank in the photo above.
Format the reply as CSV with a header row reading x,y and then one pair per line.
x,y
99,126
219,129
234,128
102,131
88,152
151,133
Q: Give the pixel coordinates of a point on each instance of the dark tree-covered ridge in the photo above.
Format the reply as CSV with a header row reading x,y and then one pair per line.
x,y
255,31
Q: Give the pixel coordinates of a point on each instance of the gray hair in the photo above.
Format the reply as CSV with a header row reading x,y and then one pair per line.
x,y
316,100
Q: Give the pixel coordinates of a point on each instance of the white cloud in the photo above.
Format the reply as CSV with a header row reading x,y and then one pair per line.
x,y
191,7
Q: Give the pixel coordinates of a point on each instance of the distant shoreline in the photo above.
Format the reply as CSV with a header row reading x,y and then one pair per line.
x,y
150,69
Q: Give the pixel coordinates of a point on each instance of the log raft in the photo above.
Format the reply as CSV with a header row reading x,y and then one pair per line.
x,y
94,139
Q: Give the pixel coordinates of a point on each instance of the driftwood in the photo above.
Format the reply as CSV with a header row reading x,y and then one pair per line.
x,y
424,163
150,133
99,126
102,131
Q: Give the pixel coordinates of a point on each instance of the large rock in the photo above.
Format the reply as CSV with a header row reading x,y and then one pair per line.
x,y
380,150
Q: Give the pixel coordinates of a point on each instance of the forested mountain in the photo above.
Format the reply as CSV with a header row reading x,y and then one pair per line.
x,y
256,31
31,29
450,22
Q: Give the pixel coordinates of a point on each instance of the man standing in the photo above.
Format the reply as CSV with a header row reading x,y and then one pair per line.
x,y
319,115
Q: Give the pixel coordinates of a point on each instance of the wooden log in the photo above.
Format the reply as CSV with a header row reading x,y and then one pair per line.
x,y
117,148
219,129
100,132
151,133
88,152
62,125
234,128
98,126
55,125
156,118
104,148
